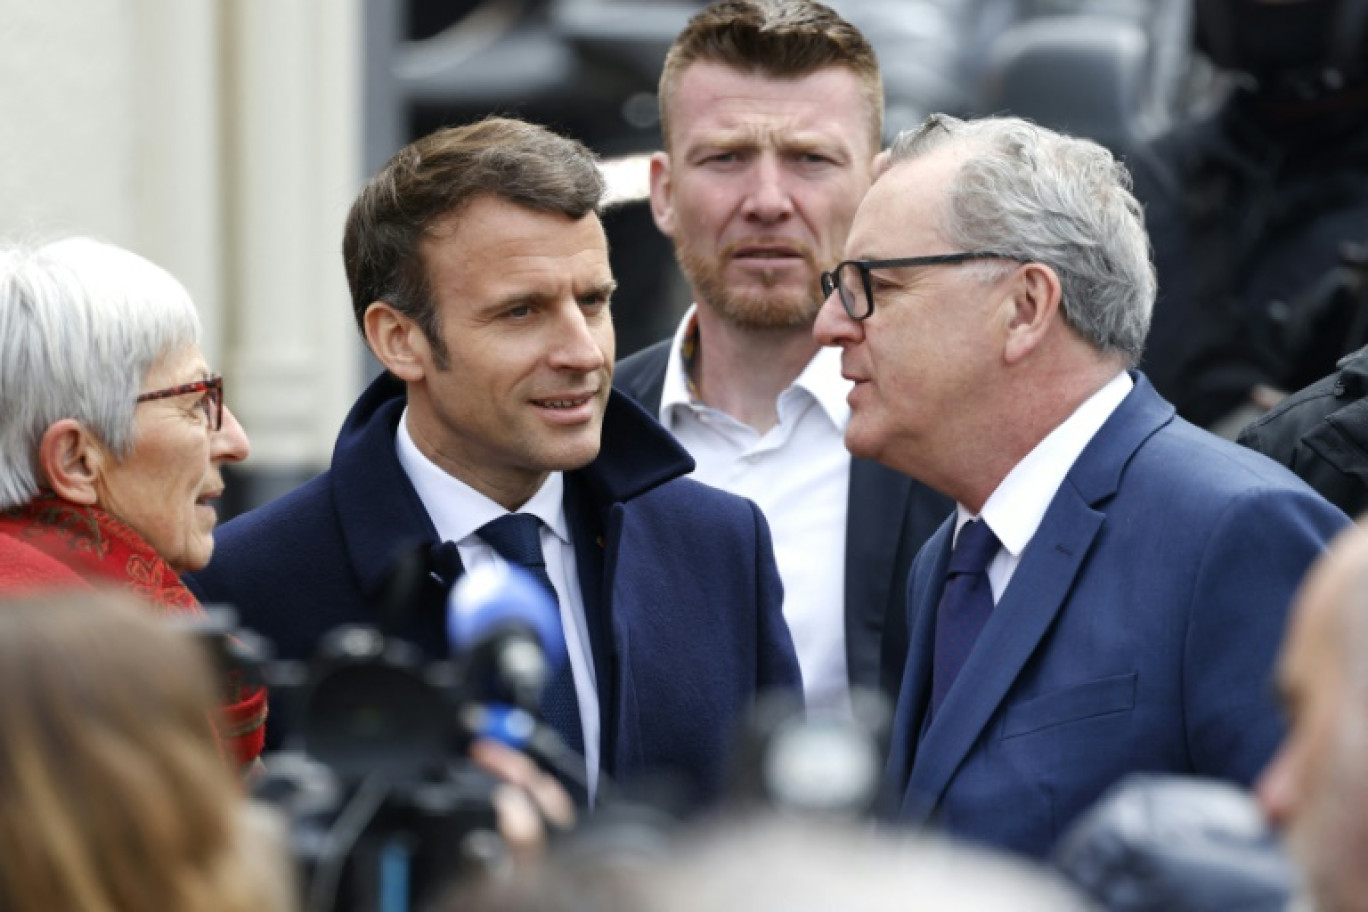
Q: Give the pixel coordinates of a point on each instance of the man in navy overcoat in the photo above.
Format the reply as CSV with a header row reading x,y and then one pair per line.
x,y
480,279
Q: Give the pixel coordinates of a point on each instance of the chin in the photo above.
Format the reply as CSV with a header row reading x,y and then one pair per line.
x,y
571,457
862,444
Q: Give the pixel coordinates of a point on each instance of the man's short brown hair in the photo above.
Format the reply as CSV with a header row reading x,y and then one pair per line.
x,y
440,175
783,39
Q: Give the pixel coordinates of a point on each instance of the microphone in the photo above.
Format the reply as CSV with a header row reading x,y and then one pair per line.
x,y
508,629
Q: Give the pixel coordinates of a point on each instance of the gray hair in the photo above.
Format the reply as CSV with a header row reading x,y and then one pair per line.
x,y
81,324
1033,194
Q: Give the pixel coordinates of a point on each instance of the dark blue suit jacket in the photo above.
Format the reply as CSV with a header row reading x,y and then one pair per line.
x,y
888,518
680,587
1138,633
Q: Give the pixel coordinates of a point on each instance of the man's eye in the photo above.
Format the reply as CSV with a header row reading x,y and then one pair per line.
x,y
521,312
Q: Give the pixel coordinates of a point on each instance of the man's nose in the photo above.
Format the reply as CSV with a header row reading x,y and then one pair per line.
x,y
834,326
769,198
578,346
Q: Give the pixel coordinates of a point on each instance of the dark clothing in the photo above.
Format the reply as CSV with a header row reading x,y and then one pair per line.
x,y
1321,434
680,588
888,517
1247,211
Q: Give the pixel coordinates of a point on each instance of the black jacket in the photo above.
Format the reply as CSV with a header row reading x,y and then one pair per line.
x,y
1321,433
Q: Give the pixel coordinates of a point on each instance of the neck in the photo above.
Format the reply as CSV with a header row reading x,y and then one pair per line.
x,y
742,371
1025,412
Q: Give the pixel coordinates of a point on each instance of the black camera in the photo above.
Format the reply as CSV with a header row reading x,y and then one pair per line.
x,y
383,809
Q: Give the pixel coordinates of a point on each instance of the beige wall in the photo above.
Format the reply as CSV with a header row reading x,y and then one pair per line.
x,y
219,138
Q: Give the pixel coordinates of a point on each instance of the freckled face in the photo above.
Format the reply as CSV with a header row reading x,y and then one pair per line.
x,y
167,485
759,186
523,300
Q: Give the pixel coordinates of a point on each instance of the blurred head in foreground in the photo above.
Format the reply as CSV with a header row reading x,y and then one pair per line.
x,y
1316,787
113,793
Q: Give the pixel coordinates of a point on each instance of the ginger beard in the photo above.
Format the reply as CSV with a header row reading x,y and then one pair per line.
x,y
771,299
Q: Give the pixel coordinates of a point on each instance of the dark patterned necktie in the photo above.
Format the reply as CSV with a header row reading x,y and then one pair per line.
x,y
965,604
517,539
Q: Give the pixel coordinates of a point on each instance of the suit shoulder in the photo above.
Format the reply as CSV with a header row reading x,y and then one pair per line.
x,y
291,513
691,496
1190,456
273,540
1204,481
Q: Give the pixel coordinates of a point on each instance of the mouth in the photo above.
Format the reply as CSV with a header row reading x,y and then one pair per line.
x,y
853,378
569,409
566,402
768,253
209,504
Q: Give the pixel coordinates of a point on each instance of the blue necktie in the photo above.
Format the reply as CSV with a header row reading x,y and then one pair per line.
x,y
965,604
517,539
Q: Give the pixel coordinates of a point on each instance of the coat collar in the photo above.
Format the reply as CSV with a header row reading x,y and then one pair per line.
x,y
1035,596
381,515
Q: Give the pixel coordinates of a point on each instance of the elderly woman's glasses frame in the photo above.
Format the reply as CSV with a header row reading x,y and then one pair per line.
x,y
861,308
212,387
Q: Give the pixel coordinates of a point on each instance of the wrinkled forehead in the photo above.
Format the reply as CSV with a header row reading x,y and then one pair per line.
x,y
904,211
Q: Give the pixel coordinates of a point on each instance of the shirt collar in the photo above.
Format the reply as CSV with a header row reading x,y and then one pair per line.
x,y
821,378
457,510
1015,509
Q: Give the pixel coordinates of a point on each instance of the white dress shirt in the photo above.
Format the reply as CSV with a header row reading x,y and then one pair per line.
x,y
1014,510
458,512
798,472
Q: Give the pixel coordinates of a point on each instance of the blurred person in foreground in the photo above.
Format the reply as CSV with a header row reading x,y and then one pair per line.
x,y
772,115
114,796
1110,593
479,277
778,862
112,439
1316,788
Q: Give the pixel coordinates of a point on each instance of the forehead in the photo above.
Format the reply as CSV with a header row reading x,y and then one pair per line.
x,y
904,210
182,365
493,241
714,98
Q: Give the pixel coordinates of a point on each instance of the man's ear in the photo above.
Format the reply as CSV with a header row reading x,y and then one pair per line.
x,y
71,460
662,194
1035,301
881,163
397,342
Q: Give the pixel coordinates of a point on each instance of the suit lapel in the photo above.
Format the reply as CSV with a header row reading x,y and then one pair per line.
x,y
1020,621
1036,594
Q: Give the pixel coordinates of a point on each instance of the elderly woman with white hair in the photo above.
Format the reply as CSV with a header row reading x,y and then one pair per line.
x,y
113,433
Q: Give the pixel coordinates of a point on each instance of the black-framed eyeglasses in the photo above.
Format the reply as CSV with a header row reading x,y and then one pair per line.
x,y
858,300
211,404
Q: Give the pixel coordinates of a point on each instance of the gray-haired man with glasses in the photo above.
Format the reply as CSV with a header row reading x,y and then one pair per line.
x,y
1110,594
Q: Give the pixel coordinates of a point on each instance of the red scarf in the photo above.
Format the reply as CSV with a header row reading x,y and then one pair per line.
x,y
102,549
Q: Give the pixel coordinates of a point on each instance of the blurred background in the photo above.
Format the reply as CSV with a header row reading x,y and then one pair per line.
x,y
225,140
